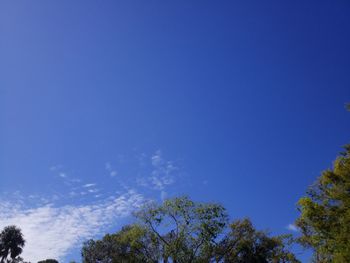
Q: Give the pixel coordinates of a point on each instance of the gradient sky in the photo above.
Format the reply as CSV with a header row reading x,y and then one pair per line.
x,y
104,104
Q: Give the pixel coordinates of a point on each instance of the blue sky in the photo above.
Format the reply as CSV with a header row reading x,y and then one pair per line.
x,y
105,104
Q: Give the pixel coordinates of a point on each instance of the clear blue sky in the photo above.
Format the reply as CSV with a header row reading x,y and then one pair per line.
x,y
237,102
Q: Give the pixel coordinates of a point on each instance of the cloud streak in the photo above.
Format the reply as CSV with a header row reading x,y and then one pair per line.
x,y
162,174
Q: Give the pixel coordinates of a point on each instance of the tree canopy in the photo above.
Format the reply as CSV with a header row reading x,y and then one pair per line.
x,y
183,231
325,213
244,243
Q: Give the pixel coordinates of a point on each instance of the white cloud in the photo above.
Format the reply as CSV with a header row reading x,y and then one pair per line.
x,y
156,158
110,169
293,228
162,173
62,175
108,166
56,168
51,232
160,182
113,173
88,185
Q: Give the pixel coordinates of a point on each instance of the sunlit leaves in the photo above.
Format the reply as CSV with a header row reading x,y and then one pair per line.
x,y
325,213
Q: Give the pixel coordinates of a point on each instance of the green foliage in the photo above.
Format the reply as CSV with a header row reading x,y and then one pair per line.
x,y
182,231
131,244
325,213
11,244
245,244
347,106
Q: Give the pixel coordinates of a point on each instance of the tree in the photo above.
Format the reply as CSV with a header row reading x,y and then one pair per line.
x,y
130,245
179,230
325,213
245,244
347,106
11,244
48,261
182,231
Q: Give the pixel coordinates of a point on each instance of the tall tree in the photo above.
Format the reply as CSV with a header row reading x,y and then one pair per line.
x,y
325,213
186,231
11,244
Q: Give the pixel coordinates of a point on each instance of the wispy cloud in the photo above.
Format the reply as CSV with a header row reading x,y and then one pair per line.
x,y
62,175
88,185
52,231
156,158
162,173
292,227
55,167
109,168
60,171
57,221
113,173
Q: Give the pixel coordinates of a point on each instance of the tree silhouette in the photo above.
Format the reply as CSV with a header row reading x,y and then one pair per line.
x,y
11,244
